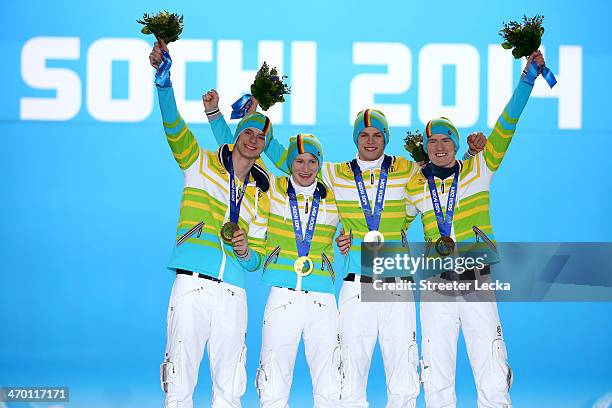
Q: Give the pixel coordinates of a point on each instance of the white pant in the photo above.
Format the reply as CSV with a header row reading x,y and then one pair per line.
x,y
289,315
394,324
440,322
202,311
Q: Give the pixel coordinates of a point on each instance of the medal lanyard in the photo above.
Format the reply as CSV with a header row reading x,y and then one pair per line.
x,y
235,205
303,241
372,217
241,106
445,223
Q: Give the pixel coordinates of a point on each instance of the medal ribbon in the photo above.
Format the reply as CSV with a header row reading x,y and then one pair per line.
x,y
445,223
235,205
162,75
303,241
241,106
547,74
372,217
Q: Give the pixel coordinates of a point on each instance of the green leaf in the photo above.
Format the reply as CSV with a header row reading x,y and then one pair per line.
x,y
166,26
523,38
268,87
414,146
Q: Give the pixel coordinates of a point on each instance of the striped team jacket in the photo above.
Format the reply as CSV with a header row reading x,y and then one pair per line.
x,y
281,249
339,177
281,246
394,221
205,204
471,221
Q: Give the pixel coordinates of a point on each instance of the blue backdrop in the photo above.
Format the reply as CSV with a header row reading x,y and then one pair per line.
x,y
90,192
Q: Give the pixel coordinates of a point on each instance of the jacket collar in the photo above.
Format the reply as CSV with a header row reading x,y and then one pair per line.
x,y
257,173
384,157
320,187
428,169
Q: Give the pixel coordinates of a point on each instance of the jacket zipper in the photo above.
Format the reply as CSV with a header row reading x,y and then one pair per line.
x,y
272,257
483,236
196,229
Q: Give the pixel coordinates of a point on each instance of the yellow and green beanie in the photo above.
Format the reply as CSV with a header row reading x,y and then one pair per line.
x,y
441,126
257,121
304,143
370,118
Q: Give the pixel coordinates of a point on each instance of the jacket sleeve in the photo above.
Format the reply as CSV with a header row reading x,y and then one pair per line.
x,y
221,131
412,210
182,142
468,155
277,153
503,131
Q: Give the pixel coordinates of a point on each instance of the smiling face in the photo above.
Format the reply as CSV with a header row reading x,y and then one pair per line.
x,y
370,144
250,143
441,150
304,169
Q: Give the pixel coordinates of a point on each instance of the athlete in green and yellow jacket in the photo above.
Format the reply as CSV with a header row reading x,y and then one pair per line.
x,y
458,193
299,251
208,301
361,322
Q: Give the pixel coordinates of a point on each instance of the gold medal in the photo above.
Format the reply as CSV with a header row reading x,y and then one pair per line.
x,y
303,266
227,231
445,246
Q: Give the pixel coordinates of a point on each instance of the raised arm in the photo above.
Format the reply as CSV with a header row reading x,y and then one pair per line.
x,y
183,144
277,153
219,127
503,131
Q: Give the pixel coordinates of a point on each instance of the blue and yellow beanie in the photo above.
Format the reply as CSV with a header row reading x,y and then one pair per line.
x,y
441,126
304,143
257,121
370,118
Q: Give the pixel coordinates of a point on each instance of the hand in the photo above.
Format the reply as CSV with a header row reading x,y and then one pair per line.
x,y
156,57
343,241
538,58
240,242
530,74
477,142
210,100
253,107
